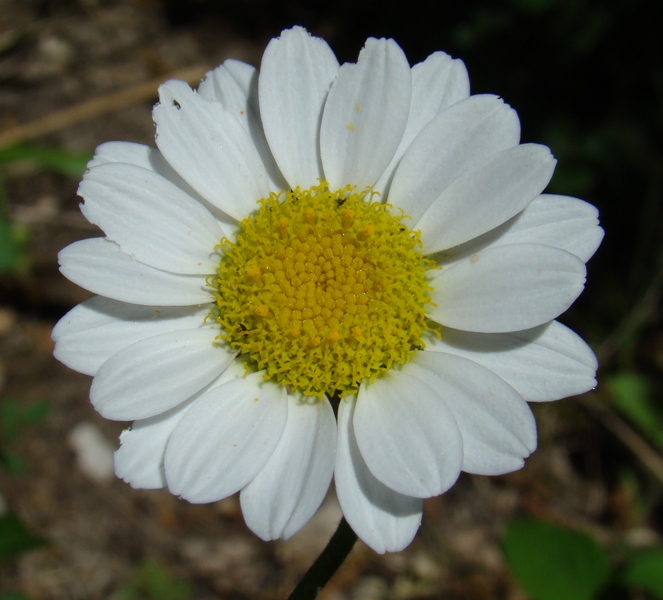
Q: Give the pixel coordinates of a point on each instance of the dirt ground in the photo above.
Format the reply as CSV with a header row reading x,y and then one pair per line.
x,y
59,55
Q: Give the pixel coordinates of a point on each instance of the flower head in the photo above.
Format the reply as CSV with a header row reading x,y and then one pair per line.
x,y
326,270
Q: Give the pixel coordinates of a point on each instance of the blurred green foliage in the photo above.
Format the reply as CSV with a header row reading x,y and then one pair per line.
x,y
15,538
645,571
14,244
153,582
635,396
14,417
555,563
57,160
15,238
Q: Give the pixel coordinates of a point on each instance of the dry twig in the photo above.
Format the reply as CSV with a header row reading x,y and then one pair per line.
x,y
96,107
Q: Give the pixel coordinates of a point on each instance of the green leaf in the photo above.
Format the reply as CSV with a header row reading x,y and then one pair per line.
x,y
634,396
157,583
11,462
61,161
152,581
15,537
35,412
13,596
14,241
9,411
15,416
646,571
553,563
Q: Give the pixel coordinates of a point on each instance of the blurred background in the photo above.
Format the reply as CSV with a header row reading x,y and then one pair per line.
x,y
582,520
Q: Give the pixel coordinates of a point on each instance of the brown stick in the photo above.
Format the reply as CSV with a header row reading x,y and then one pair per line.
x,y
96,107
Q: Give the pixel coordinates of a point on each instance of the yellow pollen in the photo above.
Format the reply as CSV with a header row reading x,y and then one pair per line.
x,y
346,218
367,231
322,290
262,310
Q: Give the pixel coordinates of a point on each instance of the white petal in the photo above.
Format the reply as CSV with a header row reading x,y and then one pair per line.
x,y
225,439
507,288
486,196
210,150
456,142
292,484
296,73
158,373
437,82
220,86
558,221
95,312
128,153
89,334
246,77
98,265
365,115
497,425
407,436
546,363
382,518
140,459
151,219
235,85
151,159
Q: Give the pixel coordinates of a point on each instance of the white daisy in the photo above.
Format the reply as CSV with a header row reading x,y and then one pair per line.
x,y
368,234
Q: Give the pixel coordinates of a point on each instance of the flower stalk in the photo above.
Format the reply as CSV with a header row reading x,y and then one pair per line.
x,y
323,569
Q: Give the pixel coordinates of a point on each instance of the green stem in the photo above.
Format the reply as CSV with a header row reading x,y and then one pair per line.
x,y
323,569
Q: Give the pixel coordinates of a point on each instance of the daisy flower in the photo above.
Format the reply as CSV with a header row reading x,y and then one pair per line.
x,y
327,271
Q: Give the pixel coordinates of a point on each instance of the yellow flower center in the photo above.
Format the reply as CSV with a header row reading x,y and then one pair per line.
x,y
322,289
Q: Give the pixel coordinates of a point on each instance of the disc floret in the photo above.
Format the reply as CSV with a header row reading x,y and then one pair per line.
x,y
322,289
